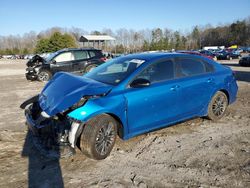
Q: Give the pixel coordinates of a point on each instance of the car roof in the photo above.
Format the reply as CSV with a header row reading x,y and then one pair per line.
x,y
160,55
76,49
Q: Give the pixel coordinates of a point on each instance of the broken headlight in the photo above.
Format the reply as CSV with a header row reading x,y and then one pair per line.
x,y
80,103
83,100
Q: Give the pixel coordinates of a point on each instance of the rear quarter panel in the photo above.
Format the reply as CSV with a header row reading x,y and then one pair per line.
x,y
225,81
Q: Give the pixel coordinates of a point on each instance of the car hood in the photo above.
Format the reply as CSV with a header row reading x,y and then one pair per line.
x,y
35,60
65,89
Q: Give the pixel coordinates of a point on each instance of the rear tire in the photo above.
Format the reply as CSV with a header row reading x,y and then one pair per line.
x,y
217,106
44,75
98,136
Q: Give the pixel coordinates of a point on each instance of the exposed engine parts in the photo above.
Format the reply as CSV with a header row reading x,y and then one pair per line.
x,y
51,134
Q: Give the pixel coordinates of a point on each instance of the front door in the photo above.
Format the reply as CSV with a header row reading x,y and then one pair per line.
x,y
62,62
152,106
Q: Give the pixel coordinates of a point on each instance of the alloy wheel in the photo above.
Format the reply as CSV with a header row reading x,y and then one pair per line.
x,y
43,76
105,138
219,105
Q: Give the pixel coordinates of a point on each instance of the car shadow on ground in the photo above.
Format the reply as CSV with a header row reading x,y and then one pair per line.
x,y
42,171
242,76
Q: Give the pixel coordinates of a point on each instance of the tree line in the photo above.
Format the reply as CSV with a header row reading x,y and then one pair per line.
x,y
129,40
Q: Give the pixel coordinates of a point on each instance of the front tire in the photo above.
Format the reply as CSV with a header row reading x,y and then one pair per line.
x,y
44,76
98,136
217,106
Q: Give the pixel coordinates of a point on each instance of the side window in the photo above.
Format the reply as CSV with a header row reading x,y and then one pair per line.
x,y
66,56
80,55
158,72
190,67
91,54
209,67
95,53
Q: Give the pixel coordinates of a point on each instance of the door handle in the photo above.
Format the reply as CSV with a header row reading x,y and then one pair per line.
x,y
174,88
210,80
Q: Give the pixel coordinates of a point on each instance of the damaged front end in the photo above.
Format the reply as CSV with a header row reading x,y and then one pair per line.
x,y
33,67
54,136
47,115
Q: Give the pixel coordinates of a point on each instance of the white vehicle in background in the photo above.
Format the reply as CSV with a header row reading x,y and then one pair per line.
x,y
7,56
44,55
213,48
28,56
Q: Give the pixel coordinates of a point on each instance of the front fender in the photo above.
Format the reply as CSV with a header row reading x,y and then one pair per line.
x,y
115,105
86,112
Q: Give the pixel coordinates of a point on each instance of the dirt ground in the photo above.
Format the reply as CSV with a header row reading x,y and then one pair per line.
x,y
197,153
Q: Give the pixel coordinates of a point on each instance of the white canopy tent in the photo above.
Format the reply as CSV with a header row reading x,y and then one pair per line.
x,y
93,40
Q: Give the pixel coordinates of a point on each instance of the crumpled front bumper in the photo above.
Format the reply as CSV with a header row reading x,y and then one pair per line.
x,y
31,74
31,123
46,138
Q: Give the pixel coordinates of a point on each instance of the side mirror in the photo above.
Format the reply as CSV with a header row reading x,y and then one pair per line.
x,y
53,61
140,82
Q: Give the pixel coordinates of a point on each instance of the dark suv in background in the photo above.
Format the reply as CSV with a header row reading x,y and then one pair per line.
x,y
77,60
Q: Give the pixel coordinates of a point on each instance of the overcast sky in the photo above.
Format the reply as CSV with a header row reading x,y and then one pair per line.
x,y
20,16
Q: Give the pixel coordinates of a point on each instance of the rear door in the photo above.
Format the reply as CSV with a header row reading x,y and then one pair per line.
x,y
196,84
63,62
80,60
154,105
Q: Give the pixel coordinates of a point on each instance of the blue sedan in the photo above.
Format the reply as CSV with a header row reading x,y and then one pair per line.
x,y
128,96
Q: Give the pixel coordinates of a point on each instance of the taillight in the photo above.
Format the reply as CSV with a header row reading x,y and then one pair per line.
x,y
103,59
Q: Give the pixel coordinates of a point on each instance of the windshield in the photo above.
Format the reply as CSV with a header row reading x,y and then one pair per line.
x,y
51,56
115,71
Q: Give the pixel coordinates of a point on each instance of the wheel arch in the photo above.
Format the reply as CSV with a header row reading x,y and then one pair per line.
x,y
226,93
120,127
120,124
210,114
